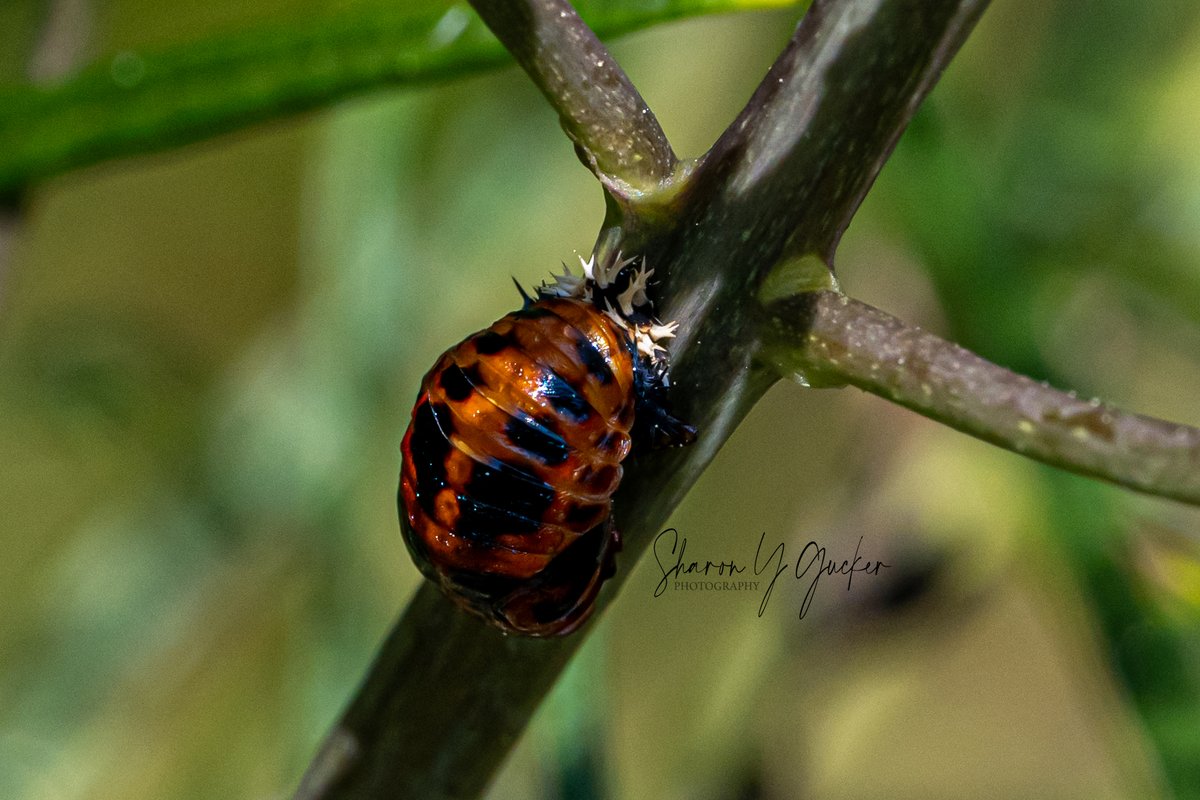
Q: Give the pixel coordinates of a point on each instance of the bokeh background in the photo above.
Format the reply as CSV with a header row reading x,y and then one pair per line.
x,y
208,357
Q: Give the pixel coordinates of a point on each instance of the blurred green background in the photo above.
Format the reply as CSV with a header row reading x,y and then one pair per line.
x,y
208,357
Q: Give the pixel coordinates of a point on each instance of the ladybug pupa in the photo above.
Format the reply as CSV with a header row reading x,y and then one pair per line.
x,y
515,448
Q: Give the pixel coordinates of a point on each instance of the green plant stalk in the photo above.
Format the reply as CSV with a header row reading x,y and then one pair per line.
x,y
615,133
827,338
447,696
137,102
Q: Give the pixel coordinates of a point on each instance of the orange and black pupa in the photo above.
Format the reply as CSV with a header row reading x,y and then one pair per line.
x,y
515,449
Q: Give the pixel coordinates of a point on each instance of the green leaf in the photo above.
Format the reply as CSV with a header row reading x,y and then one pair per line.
x,y
136,102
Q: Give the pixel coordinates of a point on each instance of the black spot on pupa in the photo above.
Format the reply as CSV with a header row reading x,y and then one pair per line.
x,y
473,375
549,422
430,446
544,445
504,486
564,397
455,384
490,342
481,523
593,359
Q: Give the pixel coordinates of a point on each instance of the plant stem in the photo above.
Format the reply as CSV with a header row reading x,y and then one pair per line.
x,y
62,41
828,338
614,131
794,166
442,705
783,181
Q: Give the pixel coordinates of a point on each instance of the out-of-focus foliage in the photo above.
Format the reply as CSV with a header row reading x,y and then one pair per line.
x,y
207,359
261,61
1087,178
